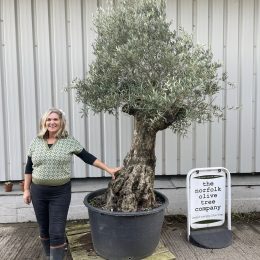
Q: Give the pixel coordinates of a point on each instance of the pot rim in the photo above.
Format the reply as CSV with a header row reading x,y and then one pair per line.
x,y
95,193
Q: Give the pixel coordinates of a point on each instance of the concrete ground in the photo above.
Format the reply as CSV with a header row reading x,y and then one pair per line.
x,y
19,234
245,242
20,241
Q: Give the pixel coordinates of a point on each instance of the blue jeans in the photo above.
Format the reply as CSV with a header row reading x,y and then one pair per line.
x,y
51,205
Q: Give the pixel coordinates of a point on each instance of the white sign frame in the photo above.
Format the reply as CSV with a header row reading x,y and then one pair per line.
x,y
206,196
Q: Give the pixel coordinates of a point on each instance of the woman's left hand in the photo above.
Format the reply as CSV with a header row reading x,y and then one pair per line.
x,y
114,171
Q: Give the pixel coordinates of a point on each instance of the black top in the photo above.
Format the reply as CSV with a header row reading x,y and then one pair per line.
x,y
83,155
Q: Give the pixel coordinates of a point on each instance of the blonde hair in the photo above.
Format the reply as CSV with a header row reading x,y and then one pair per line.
x,y
62,132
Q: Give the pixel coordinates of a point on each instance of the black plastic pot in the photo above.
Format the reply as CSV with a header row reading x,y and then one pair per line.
x,y
119,235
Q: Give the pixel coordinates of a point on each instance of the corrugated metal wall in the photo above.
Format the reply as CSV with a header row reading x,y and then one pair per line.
x,y
45,44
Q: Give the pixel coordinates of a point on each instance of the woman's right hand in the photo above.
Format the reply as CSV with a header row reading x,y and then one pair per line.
x,y
27,197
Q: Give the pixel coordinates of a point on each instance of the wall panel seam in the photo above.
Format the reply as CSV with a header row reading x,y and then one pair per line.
x,y
35,59
255,102
20,83
224,128
3,86
51,51
239,97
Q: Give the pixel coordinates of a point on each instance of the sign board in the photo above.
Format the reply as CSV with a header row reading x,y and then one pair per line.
x,y
207,199
208,191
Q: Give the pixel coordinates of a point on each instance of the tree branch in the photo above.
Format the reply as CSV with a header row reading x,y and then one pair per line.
x,y
168,118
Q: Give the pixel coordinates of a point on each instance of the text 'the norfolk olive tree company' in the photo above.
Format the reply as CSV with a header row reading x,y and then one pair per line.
x,y
158,76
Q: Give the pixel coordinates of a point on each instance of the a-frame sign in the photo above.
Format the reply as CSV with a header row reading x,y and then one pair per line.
x,y
208,190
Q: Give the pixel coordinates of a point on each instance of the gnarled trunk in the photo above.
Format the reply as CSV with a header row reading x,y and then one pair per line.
x,y
133,188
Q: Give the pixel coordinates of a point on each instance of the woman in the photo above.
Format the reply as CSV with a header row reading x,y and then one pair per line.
x,y
47,179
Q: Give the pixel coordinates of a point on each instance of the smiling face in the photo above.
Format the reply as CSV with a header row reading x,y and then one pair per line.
x,y
53,123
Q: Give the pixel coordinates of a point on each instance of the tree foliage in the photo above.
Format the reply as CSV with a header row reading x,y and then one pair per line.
x,y
149,71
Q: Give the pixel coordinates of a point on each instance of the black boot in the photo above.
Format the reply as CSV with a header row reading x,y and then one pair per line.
x,y
46,247
57,253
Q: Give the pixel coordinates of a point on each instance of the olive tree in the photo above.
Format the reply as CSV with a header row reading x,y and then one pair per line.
x,y
158,76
